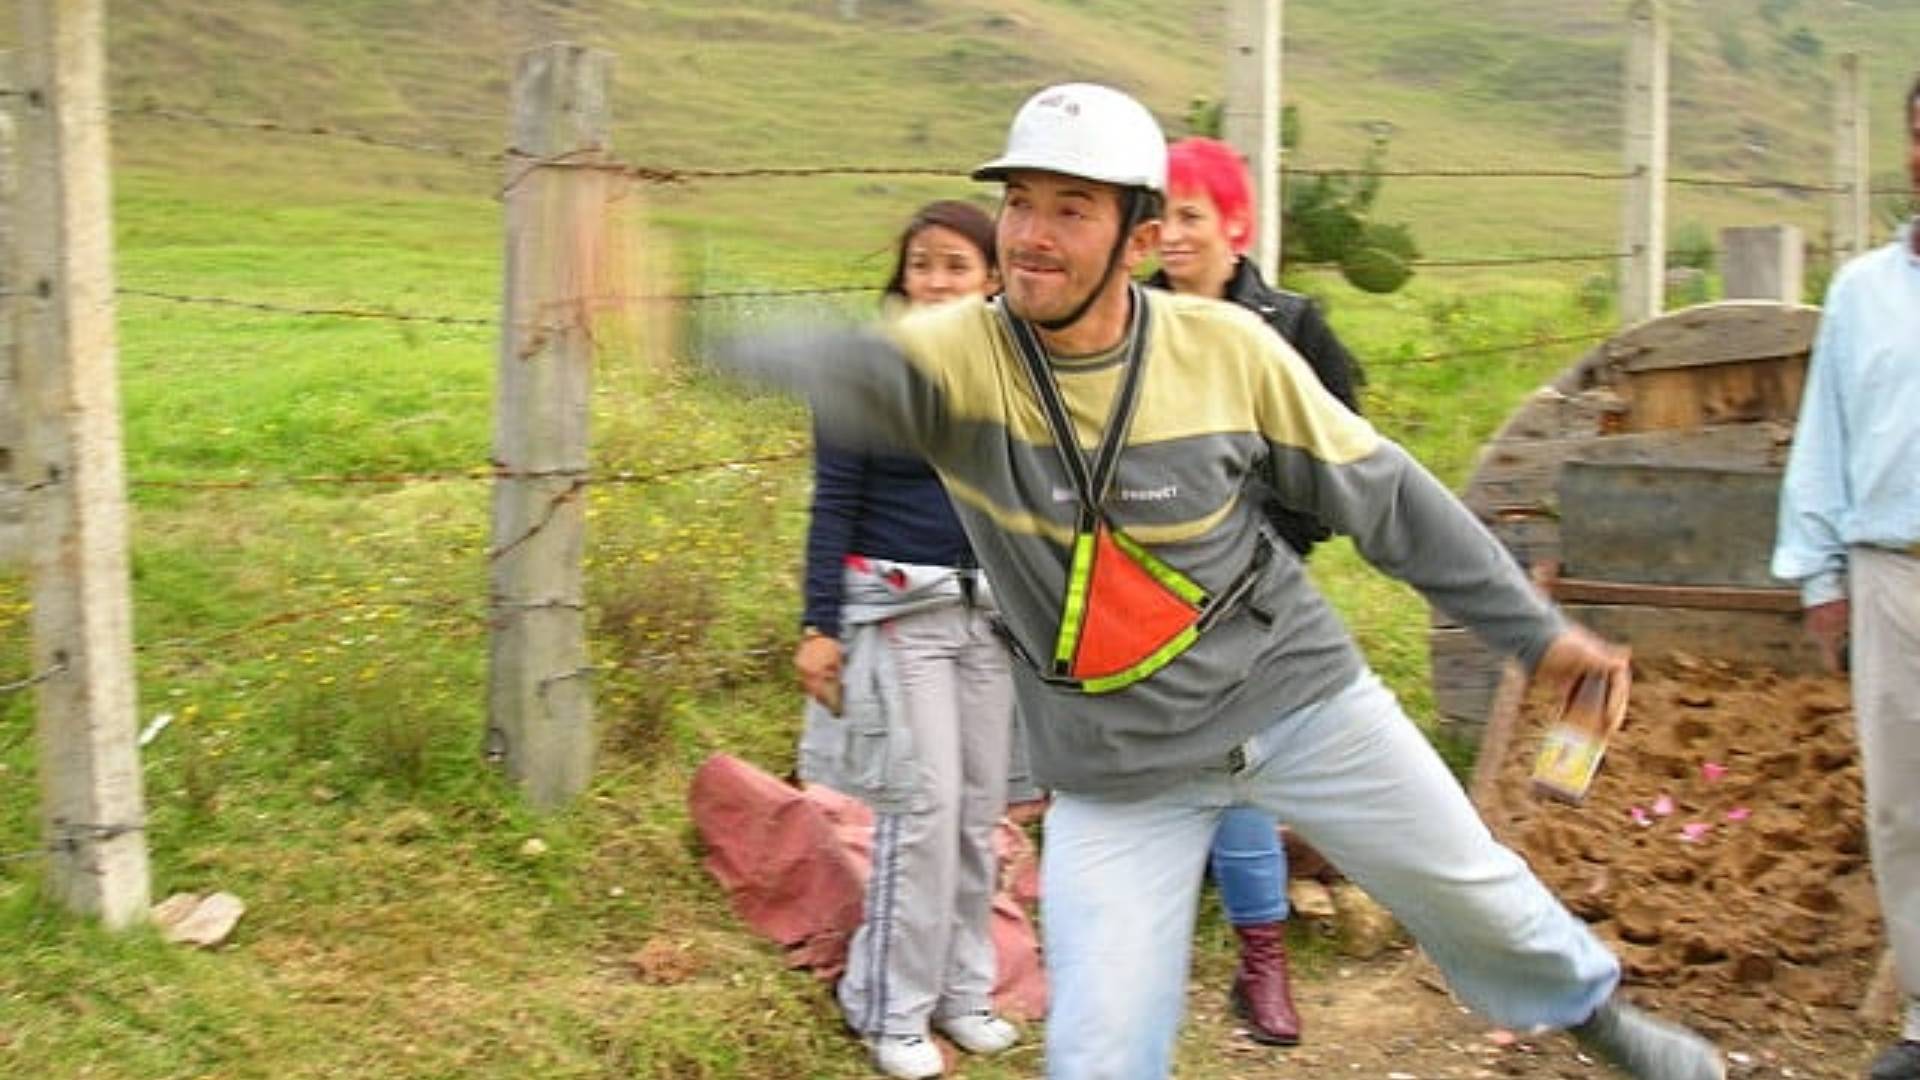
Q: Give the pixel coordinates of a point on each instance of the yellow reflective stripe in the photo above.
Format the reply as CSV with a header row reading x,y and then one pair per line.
x,y
1161,657
1073,609
1173,580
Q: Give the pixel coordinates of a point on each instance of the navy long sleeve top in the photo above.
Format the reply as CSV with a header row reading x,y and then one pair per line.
x,y
884,506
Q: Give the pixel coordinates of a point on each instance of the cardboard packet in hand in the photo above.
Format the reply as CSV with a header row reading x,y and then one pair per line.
x,y
1577,739
833,695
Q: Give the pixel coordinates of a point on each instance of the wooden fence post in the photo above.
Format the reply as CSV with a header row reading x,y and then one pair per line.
x,y
1643,281
12,522
1250,119
1849,204
72,473
1762,262
540,712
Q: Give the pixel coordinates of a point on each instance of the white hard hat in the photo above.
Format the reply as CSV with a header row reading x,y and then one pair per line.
x,y
1084,130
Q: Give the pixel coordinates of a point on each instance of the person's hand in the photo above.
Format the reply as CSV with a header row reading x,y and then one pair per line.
x,y
1827,625
1579,651
818,662
1027,811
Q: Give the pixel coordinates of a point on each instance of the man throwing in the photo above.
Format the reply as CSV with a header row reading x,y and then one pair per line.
x,y
1173,660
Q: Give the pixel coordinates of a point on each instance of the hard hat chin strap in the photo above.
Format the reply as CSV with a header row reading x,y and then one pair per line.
x,y
1136,204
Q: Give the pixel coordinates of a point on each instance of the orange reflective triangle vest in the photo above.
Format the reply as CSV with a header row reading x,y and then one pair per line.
x,y
1126,613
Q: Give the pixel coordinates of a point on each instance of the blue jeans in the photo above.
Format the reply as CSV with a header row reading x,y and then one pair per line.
x,y
1121,880
1250,867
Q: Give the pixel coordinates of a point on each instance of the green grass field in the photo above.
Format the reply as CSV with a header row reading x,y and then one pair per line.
x,y
321,647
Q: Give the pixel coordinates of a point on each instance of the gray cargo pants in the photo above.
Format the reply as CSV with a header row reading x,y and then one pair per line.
x,y
925,948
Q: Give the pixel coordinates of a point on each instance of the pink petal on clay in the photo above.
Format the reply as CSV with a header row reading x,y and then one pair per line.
x,y
1692,831
1663,806
1639,816
1739,813
1712,771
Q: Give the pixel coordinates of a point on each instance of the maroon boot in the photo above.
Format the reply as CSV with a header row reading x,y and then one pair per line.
x,y
1261,993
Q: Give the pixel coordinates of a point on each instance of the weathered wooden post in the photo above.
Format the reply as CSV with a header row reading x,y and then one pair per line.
x,y
1643,280
1762,262
12,523
540,712
71,471
1250,119
1849,204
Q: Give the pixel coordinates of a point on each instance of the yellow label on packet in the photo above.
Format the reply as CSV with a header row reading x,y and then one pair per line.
x,y
1577,739
1567,762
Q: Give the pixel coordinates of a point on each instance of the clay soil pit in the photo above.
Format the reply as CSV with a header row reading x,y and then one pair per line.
x,y
1721,851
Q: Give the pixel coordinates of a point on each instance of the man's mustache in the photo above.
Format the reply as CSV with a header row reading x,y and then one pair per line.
x,y
1024,260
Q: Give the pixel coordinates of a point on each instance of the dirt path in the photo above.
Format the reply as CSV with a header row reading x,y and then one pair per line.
x,y
1387,1019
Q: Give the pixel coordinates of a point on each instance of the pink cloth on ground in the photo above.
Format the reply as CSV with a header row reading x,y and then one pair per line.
x,y
794,863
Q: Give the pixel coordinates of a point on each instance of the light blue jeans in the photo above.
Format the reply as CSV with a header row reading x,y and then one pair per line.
x,y
1121,880
1250,867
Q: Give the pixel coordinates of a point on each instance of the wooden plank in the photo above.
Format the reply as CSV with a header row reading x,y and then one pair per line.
x,y
93,807
1466,674
1526,472
1687,398
1668,524
540,714
1766,638
1704,597
1532,539
1728,332
1551,413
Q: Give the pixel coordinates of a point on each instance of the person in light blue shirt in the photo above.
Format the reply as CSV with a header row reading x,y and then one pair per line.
x,y
1849,534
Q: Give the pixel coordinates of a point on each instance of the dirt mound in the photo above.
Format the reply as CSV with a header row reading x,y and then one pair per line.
x,y
1721,850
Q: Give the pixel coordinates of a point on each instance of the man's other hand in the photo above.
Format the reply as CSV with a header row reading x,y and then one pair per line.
x,y
1827,625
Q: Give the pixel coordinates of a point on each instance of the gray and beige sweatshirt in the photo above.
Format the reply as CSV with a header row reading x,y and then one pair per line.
x,y
1223,400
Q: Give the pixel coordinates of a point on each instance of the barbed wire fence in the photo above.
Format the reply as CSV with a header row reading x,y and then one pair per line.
x,y
519,168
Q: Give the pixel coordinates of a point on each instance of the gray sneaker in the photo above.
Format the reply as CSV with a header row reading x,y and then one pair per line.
x,y
1901,1061
1649,1048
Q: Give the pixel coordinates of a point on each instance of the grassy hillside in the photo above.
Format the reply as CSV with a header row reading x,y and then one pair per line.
x,y
789,82
321,648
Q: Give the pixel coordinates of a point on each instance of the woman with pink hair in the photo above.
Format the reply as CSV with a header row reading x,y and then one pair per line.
x,y
1204,238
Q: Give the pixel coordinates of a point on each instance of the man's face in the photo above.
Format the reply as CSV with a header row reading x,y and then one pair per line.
x,y
1056,234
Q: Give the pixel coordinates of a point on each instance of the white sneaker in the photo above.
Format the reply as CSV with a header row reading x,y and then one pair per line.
x,y
907,1057
978,1032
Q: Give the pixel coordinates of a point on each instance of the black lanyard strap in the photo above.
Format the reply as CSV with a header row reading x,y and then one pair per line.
x,y
1091,482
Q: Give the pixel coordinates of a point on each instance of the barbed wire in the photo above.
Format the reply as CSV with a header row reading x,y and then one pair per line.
x,y
1489,350
33,680
616,475
345,312
72,834
671,174
1455,173
1478,261
1758,183
176,114
329,312
296,615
